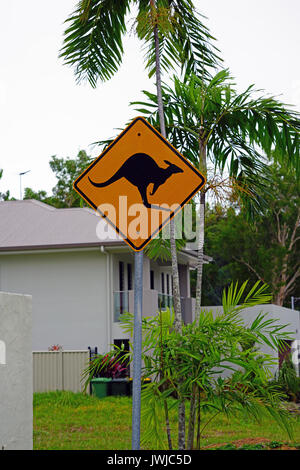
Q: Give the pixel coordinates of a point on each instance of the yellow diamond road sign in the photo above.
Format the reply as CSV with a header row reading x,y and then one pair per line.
x,y
139,183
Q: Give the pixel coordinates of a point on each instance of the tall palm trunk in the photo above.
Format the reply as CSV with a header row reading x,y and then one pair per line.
x,y
200,259
175,274
201,222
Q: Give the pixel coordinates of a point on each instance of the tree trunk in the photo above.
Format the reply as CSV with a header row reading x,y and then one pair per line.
x,y
200,257
175,274
201,221
191,430
176,288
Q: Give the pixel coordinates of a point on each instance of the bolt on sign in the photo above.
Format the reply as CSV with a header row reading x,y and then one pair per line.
x,y
139,183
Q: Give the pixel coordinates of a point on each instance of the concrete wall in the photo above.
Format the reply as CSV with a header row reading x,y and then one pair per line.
x,y
69,289
16,373
150,302
285,316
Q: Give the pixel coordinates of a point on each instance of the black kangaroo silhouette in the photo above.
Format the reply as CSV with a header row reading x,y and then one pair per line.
x,y
141,170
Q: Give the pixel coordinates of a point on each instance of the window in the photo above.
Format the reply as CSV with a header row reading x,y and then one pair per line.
x,y
152,280
121,286
121,275
168,285
129,276
162,283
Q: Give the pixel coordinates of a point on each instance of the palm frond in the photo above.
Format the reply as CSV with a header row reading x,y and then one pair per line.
x,y
93,39
183,38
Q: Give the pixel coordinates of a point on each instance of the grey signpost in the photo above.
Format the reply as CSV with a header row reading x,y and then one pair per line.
x,y
137,350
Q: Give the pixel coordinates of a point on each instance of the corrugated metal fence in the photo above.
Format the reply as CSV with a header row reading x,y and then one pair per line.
x,y
59,370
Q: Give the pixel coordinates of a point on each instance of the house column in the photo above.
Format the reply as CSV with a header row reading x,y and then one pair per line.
x,y
184,280
187,303
146,272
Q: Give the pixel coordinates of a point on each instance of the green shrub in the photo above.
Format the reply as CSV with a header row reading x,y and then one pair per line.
x,y
275,444
287,380
227,447
252,447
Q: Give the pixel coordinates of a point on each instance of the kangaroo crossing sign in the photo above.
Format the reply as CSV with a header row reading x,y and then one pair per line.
x,y
139,183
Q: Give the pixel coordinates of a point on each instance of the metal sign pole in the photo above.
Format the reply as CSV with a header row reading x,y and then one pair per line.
x,y
137,349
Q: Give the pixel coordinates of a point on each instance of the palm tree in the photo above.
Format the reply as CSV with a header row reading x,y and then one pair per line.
x,y
173,35
214,125
220,130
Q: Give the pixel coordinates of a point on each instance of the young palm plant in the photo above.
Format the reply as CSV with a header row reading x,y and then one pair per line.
x,y
210,346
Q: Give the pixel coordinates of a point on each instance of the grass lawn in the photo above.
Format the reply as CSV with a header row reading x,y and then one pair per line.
x,y
66,420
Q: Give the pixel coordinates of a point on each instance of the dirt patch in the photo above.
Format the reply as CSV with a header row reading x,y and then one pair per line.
x,y
251,442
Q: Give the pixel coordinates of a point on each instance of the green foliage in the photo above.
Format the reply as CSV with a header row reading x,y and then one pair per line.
x,y
66,171
42,196
252,447
226,447
236,129
266,248
275,444
62,399
109,365
93,39
160,248
179,364
93,43
5,196
287,380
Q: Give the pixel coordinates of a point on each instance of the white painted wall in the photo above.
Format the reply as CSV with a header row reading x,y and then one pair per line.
x,y
73,300
69,296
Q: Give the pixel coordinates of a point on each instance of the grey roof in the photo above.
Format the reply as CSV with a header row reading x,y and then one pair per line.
x,y
31,224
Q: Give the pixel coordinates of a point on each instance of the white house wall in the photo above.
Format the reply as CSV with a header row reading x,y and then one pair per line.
x,y
69,291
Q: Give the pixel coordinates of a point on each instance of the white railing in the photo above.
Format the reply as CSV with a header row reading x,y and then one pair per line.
x,y
165,301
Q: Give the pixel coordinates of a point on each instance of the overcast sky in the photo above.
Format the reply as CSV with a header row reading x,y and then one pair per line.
x,y
44,112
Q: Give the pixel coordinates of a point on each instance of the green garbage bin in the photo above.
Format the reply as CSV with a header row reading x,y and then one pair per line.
x,y
118,387
100,386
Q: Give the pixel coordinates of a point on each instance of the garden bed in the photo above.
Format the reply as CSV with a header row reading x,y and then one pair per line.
x,y
258,443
